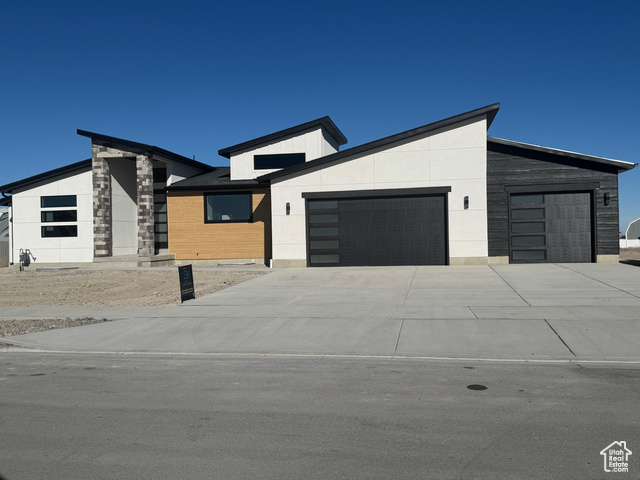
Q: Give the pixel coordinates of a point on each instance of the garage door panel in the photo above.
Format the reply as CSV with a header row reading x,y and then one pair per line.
x,y
564,219
389,231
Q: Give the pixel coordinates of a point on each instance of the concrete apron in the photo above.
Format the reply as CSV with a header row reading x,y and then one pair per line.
x,y
548,312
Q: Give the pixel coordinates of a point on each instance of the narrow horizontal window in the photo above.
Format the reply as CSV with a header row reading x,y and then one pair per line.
x,y
328,218
160,217
53,231
58,201
59,216
228,207
332,258
322,204
535,199
323,231
527,227
160,227
279,160
323,244
530,255
528,241
527,213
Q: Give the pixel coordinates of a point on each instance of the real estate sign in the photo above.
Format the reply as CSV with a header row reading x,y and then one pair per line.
x,y
187,290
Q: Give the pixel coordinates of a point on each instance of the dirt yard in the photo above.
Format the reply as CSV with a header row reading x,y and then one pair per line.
x,y
630,254
143,287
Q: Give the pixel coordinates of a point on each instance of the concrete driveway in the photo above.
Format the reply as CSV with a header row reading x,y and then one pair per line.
x,y
561,312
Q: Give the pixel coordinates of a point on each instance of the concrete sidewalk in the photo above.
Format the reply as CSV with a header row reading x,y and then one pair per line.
x,y
521,312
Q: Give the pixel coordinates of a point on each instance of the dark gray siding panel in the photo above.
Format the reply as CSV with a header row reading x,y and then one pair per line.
x,y
508,165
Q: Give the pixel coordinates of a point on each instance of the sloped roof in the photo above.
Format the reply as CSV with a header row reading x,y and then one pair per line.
x,y
621,165
219,178
324,122
9,187
140,148
490,112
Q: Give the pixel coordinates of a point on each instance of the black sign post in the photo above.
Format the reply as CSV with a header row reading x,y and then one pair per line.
x,y
187,291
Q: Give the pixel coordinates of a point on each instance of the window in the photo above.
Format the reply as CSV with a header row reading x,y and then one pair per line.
x,y
59,216
227,207
281,160
58,201
53,231
54,216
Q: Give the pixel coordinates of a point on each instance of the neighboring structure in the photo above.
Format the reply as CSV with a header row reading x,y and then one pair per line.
x,y
111,205
439,194
632,235
4,236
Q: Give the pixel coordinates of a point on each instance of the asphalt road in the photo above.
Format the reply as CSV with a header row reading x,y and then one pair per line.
x,y
88,416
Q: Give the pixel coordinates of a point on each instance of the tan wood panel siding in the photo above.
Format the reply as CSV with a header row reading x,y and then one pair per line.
x,y
190,238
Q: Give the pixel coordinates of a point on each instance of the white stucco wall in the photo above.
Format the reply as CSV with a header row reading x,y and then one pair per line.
x,y
27,221
124,210
315,143
178,171
449,157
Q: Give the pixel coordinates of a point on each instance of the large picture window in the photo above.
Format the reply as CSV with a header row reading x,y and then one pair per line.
x,y
227,207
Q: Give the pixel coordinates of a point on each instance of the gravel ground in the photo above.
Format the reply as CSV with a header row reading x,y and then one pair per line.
x,y
630,254
29,325
143,287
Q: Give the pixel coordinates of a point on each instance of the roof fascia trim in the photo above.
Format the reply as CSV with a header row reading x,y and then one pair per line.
x,y
392,192
324,122
9,187
142,148
489,111
243,186
622,165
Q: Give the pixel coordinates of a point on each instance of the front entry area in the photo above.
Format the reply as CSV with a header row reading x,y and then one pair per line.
x,y
380,230
551,227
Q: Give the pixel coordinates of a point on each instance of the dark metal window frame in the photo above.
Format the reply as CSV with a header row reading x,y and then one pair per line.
x,y
278,161
60,203
58,230
249,193
53,213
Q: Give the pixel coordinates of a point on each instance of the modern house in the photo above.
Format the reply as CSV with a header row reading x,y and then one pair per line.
x,y
441,194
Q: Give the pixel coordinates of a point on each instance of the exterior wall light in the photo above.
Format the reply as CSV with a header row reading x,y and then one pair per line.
x,y
607,199
466,203
288,208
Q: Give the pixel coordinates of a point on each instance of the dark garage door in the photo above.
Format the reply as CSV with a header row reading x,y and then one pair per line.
x,y
391,230
551,227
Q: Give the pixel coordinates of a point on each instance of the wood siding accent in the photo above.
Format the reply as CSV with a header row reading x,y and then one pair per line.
x,y
190,238
508,166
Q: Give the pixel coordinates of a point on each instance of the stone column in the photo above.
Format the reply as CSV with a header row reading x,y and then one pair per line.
x,y
102,235
144,169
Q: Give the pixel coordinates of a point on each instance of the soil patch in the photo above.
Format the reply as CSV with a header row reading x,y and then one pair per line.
x,y
630,254
31,325
144,287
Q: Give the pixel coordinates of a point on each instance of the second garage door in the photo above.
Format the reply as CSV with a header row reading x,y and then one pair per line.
x,y
389,230
551,227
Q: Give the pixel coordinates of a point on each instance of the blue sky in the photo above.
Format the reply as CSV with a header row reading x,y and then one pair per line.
x,y
194,77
